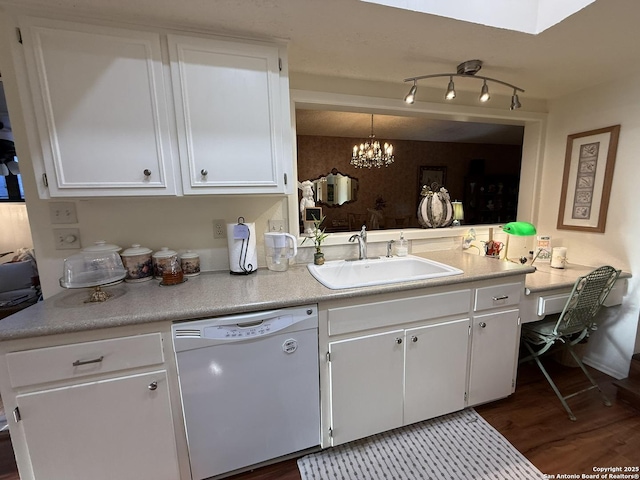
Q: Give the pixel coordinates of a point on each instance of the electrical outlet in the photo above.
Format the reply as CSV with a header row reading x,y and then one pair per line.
x,y
63,212
66,238
276,226
219,229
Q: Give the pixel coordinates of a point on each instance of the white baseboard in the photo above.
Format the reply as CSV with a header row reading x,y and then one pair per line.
x,y
605,368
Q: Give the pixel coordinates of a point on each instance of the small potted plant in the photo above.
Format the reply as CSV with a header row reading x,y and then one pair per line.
x,y
317,235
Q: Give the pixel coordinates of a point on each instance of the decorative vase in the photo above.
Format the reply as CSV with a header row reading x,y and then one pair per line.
x,y
435,209
318,258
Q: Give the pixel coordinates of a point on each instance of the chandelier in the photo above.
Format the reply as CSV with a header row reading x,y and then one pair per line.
x,y
370,154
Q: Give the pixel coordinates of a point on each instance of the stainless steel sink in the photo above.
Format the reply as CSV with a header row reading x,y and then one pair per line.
x,y
363,273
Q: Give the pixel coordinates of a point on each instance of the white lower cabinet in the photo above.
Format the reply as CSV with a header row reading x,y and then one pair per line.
x,y
494,353
386,380
117,428
397,359
366,385
98,409
435,371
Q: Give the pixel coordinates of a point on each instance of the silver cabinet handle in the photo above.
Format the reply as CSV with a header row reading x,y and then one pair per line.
x,y
503,297
147,172
414,339
482,324
204,172
153,386
398,340
77,363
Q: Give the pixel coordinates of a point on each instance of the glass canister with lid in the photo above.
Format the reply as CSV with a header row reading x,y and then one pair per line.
x,y
137,261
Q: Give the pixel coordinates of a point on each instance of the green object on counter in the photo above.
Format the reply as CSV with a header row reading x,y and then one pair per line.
x,y
520,229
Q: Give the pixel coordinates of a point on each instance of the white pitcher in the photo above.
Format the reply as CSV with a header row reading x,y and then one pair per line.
x,y
279,248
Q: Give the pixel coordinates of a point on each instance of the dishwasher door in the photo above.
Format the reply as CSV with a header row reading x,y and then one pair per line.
x,y
249,386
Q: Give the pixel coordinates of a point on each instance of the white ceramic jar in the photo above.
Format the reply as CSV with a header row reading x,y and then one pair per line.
x,y
162,260
102,246
190,263
137,261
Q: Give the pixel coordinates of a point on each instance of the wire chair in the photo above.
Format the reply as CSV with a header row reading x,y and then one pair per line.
x,y
572,326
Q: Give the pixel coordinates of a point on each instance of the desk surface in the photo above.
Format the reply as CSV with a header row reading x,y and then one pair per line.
x,y
547,278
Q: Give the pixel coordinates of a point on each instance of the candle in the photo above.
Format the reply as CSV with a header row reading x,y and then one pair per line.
x,y
558,257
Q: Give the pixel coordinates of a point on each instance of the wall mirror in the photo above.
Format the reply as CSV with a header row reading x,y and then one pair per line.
x,y
335,189
479,163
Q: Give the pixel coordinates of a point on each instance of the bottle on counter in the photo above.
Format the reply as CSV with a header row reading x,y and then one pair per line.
x,y
402,247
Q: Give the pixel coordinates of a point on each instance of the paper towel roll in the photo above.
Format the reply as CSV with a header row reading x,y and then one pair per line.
x,y
558,257
243,257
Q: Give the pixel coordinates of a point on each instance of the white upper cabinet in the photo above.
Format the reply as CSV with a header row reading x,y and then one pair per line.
x,y
126,112
101,108
231,116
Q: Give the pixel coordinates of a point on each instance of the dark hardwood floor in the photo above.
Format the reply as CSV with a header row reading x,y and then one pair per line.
x,y
532,419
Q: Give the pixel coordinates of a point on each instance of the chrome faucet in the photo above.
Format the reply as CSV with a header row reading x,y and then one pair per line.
x,y
389,244
362,242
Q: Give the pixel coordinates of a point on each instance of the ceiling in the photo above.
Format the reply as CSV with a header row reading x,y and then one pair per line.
x,y
361,40
389,127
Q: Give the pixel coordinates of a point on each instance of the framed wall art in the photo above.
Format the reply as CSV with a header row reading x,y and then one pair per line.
x,y
586,182
429,175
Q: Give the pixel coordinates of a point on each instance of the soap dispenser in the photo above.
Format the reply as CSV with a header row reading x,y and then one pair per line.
x,y
402,249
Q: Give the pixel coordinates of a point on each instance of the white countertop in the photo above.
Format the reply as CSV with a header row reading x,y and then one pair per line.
x,y
215,294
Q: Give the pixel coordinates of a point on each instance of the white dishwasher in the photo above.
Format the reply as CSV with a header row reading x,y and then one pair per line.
x,y
250,387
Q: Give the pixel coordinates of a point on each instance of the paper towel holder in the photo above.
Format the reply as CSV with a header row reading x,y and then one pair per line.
x,y
242,233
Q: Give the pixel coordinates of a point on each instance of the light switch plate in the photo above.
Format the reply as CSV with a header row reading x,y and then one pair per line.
x,y
66,238
63,212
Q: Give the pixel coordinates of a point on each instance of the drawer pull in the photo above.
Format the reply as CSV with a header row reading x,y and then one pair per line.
x,y
414,339
77,363
503,297
482,324
153,386
398,340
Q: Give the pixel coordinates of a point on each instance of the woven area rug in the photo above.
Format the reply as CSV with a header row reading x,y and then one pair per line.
x,y
461,445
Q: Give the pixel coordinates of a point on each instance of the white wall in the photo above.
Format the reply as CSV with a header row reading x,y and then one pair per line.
x,y
14,231
610,104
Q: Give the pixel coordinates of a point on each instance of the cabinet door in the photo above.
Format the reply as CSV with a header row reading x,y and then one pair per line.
x,y
436,359
100,105
119,428
494,348
229,115
366,385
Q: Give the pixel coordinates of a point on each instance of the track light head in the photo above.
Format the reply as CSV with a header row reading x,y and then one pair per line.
x,y
451,90
515,101
411,96
484,93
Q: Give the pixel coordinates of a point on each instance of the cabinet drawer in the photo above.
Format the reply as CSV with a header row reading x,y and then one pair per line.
x,y
552,304
31,367
393,312
498,296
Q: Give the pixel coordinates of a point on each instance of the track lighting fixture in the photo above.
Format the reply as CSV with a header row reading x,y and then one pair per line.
x,y
467,69
411,96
